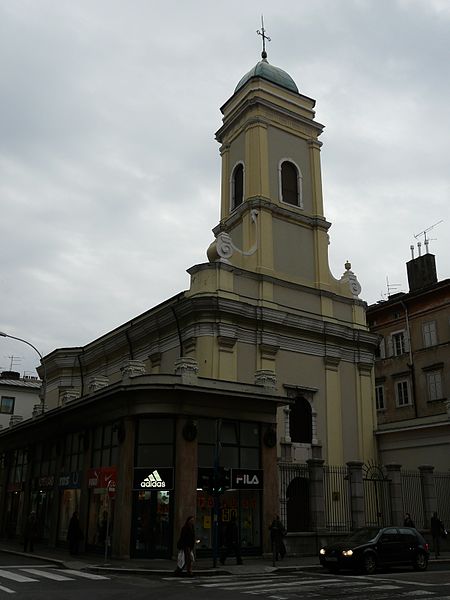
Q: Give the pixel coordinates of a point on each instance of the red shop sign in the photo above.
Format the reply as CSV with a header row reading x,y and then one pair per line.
x,y
103,478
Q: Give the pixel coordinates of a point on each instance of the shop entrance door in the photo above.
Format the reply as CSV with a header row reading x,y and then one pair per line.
x,y
152,529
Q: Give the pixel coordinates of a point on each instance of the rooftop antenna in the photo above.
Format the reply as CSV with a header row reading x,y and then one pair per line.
x,y
262,33
391,287
13,360
426,240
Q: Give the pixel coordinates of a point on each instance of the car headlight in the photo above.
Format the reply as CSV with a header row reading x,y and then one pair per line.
x,y
322,551
347,552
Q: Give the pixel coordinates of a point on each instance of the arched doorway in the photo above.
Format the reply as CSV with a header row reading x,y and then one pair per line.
x,y
297,505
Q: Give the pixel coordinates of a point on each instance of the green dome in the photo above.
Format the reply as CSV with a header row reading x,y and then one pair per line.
x,y
273,74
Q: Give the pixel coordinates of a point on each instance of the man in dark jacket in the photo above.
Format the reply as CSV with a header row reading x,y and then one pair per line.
x,y
277,532
437,529
232,545
30,532
74,533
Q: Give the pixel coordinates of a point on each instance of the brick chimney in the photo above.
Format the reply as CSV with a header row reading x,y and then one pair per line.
x,y
421,272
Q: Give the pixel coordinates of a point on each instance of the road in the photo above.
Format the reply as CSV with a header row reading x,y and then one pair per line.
x,y
28,579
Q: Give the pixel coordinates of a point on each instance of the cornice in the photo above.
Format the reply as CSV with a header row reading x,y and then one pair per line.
x,y
294,215
277,115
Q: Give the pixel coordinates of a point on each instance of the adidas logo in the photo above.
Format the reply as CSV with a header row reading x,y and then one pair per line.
x,y
153,481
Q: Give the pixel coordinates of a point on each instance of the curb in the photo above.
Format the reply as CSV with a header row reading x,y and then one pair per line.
x,y
55,561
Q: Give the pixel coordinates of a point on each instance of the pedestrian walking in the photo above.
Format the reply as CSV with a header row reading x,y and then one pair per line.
x,y
277,532
74,534
408,522
437,530
232,545
185,545
30,532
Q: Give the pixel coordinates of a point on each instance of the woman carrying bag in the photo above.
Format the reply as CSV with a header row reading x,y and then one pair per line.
x,y
185,545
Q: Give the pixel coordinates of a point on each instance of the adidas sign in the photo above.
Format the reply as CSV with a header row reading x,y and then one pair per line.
x,y
153,481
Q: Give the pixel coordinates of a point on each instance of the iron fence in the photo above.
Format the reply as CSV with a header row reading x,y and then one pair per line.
x,y
442,486
412,496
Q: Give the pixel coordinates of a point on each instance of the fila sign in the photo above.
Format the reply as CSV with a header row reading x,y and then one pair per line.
x,y
247,479
153,478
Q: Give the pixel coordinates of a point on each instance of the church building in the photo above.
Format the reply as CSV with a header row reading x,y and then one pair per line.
x,y
265,359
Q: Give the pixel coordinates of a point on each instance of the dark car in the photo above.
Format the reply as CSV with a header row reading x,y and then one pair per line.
x,y
369,548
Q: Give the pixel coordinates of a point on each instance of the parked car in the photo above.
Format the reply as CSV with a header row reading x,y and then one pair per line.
x,y
372,547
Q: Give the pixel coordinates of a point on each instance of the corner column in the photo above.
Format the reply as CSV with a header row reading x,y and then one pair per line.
x,y
124,493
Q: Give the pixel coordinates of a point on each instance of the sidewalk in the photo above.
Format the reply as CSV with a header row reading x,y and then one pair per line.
x,y
158,566
165,567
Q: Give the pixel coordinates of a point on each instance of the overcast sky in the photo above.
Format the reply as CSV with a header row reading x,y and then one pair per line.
x,y
110,174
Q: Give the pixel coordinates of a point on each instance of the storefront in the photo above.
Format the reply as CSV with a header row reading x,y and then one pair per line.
x,y
42,502
152,511
14,510
242,501
69,501
102,491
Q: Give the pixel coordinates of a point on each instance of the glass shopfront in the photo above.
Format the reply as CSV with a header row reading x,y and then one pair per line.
x,y
42,504
233,446
102,487
14,518
69,501
153,483
243,505
151,535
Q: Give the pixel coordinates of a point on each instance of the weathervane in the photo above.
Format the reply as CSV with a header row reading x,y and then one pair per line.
x,y
262,33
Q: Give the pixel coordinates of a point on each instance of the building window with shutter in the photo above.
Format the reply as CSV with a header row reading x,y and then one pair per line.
x,y
402,393
379,397
434,384
290,183
429,334
398,343
237,186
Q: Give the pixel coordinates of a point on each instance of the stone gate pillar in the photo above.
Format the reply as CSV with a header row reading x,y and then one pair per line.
x,y
316,493
355,475
395,491
428,492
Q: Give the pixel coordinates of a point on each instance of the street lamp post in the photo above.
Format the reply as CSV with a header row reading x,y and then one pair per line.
x,y
44,379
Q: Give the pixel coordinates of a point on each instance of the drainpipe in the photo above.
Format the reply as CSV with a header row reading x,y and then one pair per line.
x,y
411,359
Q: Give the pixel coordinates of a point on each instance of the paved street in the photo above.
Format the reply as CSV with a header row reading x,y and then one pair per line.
x,y
319,584
28,578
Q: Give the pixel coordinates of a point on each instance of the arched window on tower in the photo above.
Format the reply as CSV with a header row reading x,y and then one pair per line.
x,y
290,183
237,186
300,421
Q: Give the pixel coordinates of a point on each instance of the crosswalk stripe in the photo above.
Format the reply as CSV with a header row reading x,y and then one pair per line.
x,y
15,576
244,582
7,590
83,574
296,583
47,575
31,566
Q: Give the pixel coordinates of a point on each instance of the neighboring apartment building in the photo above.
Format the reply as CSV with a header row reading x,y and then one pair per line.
x,y
19,397
267,358
412,385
